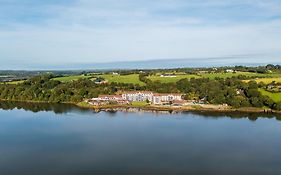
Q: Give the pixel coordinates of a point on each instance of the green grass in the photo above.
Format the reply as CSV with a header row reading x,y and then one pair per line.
x,y
139,104
171,79
14,82
229,75
133,78
208,75
276,97
84,104
268,80
71,78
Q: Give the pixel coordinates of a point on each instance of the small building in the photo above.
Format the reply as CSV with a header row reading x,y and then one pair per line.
x,y
107,99
230,71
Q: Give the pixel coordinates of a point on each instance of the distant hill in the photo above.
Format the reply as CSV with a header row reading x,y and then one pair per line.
x,y
244,60
177,63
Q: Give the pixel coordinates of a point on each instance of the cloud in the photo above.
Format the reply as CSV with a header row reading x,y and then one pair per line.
x,y
101,31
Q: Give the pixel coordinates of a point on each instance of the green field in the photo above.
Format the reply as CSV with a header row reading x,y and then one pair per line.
x,y
71,78
229,75
171,79
268,80
208,75
133,78
276,97
14,82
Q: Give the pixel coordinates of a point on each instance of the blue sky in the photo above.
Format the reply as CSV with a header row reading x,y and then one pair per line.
x,y
49,32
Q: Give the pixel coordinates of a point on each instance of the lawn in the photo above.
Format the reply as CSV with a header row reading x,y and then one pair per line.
x,y
71,78
139,104
132,78
276,97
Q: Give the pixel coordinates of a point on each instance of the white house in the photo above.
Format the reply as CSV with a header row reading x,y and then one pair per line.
x,y
230,71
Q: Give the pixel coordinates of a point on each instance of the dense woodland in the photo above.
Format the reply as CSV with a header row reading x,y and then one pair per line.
x,y
231,91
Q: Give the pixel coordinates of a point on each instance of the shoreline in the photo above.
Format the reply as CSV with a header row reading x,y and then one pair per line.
x,y
155,108
172,109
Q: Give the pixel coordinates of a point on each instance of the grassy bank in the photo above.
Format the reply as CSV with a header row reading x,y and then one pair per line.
x,y
210,108
276,97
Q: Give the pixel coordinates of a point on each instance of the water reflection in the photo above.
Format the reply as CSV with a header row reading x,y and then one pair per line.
x,y
41,107
65,108
236,115
197,143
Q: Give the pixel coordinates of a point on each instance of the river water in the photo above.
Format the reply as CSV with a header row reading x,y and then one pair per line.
x,y
45,139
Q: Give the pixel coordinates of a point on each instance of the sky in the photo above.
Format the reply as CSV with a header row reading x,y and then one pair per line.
x,y
36,33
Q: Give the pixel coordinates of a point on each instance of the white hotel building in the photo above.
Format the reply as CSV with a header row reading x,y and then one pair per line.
x,y
138,96
131,96
154,98
164,98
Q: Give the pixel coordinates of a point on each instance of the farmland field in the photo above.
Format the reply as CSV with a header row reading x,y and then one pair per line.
x,y
133,78
209,75
268,80
71,78
171,79
15,82
229,75
276,97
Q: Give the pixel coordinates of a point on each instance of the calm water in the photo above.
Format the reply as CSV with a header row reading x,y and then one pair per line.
x,y
64,140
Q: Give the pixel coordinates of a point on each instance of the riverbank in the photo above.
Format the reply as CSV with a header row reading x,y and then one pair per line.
x,y
176,109
158,108
33,101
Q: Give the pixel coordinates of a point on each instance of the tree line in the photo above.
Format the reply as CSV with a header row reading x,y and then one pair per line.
x,y
231,91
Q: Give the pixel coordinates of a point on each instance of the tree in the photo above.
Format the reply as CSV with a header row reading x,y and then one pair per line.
x,y
256,102
277,106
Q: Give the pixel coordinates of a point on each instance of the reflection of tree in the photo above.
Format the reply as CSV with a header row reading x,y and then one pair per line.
x,y
64,108
235,115
39,107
